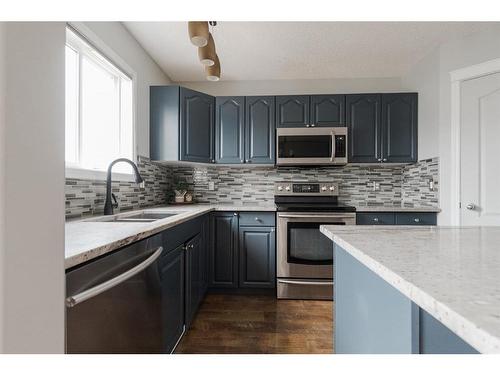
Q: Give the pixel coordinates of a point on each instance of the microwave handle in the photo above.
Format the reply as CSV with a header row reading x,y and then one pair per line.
x,y
333,146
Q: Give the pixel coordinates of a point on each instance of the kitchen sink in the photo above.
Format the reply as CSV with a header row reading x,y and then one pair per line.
x,y
142,217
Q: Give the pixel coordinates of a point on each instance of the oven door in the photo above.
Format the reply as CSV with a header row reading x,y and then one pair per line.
x,y
316,146
303,251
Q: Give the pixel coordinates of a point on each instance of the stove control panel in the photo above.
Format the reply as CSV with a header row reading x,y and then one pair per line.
x,y
305,188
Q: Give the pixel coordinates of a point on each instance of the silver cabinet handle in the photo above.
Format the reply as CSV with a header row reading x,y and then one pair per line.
x,y
257,219
98,289
416,220
304,282
313,125
384,159
375,219
235,214
379,159
307,125
471,206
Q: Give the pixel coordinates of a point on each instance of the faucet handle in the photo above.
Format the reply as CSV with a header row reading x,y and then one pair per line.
x,y
115,205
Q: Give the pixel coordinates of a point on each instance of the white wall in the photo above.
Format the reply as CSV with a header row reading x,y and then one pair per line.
x,y
424,79
431,78
2,174
468,51
304,86
32,190
116,37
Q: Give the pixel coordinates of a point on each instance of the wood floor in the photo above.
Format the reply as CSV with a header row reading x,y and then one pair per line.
x,y
259,324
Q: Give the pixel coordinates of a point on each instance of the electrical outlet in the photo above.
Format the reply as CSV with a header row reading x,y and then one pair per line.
x,y
211,185
375,186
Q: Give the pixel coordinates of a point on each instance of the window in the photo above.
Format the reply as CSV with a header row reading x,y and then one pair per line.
x,y
99,109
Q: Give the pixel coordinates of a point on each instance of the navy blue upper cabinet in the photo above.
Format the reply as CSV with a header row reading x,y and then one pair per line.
x,y
327,110
399,127
292,111
259,130
197,126
229,129
363,117
181,125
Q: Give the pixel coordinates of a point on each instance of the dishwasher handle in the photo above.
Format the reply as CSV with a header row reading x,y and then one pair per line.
x,y
98,289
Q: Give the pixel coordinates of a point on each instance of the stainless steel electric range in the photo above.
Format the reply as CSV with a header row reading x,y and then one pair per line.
x,y
304,255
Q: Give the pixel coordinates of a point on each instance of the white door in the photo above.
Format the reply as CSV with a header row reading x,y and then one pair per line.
x,y
480,151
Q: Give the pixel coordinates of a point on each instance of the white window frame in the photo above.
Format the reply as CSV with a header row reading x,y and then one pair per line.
x,y
74,171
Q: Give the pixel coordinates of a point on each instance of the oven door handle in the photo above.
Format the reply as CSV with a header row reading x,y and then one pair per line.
x,y
304,282
313,216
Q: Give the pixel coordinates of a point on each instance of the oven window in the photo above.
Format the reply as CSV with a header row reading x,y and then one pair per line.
x,y
305,146
307,245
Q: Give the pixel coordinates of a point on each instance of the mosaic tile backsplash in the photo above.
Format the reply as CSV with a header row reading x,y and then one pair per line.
x,y
86,197
397,185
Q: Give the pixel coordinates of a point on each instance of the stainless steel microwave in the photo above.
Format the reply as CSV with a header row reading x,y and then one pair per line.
x,y
311,146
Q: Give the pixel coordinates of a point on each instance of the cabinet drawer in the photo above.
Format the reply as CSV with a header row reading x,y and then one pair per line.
x,y
257,218
414,218
375,218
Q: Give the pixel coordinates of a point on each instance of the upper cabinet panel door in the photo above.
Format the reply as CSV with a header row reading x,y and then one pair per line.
x,y
363,118
229,129
328,110
196,126
260,130
292,111
399,128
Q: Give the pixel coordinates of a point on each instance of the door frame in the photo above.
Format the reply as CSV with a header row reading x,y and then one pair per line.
x,y
457,77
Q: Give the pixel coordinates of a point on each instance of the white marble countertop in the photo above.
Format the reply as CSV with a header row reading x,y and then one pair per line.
x,y
453,273
88,238
396,209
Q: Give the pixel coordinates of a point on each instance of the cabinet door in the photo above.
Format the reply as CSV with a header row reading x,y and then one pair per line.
x,y
204,255
328,110
193,278
257,257
224,250
363,117
292,111
172,302
260,129
196,126
229,129
399,128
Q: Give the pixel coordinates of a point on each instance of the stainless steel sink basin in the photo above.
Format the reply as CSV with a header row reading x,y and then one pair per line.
x,y
142,217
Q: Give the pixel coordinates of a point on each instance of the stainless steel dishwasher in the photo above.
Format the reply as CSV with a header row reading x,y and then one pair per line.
x,y
113,303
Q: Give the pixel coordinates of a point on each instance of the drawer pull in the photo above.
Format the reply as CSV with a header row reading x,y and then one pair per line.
x,y
257,219
416,220
375,219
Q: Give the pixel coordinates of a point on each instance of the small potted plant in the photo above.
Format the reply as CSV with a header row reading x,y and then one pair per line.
x,y
180,190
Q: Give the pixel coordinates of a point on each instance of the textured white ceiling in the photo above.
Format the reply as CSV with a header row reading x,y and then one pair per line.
x,y
300,50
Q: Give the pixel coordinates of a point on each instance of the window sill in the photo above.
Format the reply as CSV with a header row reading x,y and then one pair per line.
x,y
95,175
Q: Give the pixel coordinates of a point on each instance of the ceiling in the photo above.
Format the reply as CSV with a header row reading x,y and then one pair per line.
x,y
300,50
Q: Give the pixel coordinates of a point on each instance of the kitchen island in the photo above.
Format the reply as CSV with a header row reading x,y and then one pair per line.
x,y
416,289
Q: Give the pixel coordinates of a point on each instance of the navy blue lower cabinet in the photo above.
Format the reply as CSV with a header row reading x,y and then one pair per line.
x,y
224,250
193,280
396,218
372,317
172,289
257,257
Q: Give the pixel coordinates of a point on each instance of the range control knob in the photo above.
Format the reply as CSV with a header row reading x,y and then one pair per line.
x,y
323,188
280,188
287,188
332,188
